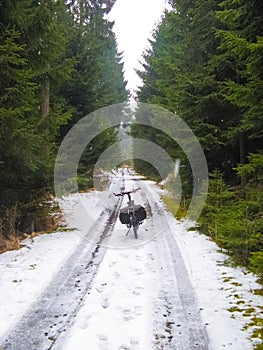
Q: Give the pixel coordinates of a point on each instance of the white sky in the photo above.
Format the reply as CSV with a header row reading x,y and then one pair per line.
x,y
134,22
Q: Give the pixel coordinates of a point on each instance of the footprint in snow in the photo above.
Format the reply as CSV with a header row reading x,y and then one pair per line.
x,y
137,291
150,267
116,274
102,337
138,271
101,287
126,311
134,342
124,347
105,303
151,256
103,342
127,318
127,315
138,310
83,322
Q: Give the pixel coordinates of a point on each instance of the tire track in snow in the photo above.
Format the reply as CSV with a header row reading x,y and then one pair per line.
x,y
57,307
178,323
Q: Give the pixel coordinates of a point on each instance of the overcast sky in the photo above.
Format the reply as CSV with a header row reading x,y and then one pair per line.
x,y
134,22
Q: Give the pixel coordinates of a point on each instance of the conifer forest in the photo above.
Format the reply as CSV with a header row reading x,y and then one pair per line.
x,y
206,65
60,62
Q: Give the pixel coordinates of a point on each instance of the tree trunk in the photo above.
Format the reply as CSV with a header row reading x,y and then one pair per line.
x,y
242,153
45,97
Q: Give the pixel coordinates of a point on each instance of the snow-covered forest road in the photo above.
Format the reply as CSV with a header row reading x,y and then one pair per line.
x,y
92,287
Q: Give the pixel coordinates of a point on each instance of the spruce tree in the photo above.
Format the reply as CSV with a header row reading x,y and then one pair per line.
x,y
98,77
242,46
205,64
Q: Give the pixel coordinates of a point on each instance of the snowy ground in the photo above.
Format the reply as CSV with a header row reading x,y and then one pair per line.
x,y
136,298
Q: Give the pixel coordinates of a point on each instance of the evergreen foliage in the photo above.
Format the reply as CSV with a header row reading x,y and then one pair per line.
x,y
59,62
98,77
234,220
205,64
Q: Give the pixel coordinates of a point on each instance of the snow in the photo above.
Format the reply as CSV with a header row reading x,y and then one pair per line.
x,y
116,306
26,272
134,285
219,288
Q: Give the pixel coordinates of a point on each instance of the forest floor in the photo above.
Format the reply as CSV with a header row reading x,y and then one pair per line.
x,y
91,286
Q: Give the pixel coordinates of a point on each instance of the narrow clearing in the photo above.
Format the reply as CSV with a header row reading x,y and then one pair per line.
x,y
110,291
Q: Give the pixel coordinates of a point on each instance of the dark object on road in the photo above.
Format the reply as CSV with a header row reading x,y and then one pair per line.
x,y
139,213
133,215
